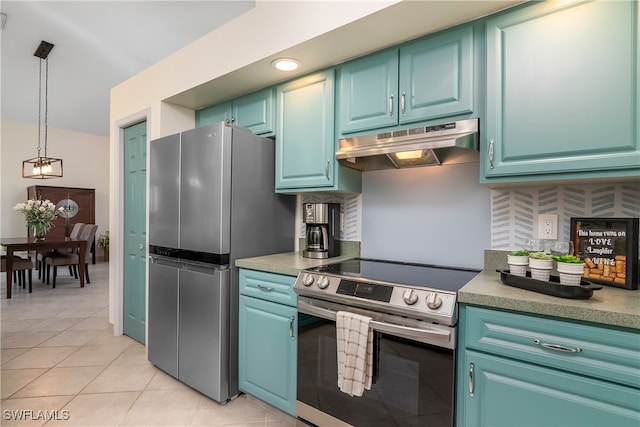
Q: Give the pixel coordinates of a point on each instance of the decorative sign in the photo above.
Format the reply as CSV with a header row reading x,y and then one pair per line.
x,y
609,248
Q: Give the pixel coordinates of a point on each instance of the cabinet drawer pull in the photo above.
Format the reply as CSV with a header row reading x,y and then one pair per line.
x,y
491,153
402,104
557,347
391,106
471,366
293,318
266,288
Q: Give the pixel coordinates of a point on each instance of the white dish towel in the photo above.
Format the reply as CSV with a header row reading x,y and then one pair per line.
x,y
355,352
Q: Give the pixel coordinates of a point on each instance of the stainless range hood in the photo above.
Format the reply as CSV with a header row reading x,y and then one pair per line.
x,y
443,144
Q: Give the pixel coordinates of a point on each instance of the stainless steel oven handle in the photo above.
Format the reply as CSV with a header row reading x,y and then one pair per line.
x,y
390,328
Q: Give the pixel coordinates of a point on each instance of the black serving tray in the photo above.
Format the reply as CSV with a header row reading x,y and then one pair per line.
x,y
552,287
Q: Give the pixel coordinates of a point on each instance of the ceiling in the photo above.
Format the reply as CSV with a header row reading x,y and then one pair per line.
x,y
97,45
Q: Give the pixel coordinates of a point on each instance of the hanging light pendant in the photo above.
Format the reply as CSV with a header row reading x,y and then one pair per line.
x,y
42,166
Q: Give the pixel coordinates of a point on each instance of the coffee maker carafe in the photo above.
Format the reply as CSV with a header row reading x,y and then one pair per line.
x,y
322,221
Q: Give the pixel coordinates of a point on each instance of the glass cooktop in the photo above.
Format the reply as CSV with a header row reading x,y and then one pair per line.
x,y
394,272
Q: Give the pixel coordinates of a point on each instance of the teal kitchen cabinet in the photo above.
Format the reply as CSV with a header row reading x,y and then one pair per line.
x,y
216,113
562,93
267,341
254,111
426,79
516,369
305,142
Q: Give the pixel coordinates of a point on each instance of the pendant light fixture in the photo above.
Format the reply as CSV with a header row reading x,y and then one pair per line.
x,y
42,166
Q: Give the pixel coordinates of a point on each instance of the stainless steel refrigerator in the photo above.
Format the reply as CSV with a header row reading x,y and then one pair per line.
x,y
211,201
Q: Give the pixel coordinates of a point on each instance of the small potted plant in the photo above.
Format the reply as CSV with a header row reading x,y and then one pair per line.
x,y
103,242
541,265
518,262
570,269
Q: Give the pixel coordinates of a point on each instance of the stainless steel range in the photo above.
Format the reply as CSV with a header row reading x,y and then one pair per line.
x,y
413,308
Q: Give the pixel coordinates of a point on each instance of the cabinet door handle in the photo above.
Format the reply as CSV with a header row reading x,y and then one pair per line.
x,y
266,288
293,318
326,169
471,366
391,106
491,153
141,246
558,347
402,104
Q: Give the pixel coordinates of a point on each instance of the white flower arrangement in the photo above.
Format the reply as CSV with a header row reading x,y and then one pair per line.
x,y
38,213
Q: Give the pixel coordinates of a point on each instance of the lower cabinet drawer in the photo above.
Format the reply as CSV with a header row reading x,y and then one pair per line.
x,y
594,351
268,286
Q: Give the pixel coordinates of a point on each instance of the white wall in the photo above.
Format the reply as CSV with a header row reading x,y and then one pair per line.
x,y
86,164
432,215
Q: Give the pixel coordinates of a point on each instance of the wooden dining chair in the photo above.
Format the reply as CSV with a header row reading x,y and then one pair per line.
x,y
21,267
72,259
40,256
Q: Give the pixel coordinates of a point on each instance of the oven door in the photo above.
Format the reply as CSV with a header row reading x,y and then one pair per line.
x,y
413,381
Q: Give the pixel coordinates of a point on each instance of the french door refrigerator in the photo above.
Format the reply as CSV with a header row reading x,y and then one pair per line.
x,y
211,201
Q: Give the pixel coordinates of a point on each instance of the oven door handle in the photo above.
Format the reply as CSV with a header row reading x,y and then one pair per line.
x,y
416,334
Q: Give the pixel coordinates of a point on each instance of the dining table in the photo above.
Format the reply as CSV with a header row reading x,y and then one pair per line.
x,y
18,244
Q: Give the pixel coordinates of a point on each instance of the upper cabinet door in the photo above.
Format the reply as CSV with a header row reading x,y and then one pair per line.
x,y
255,111
423,80
368,92
216,113
562,92
305,146
436,76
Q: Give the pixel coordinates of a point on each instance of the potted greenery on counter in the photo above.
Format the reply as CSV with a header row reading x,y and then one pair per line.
x,y
518,262
541,265
570,269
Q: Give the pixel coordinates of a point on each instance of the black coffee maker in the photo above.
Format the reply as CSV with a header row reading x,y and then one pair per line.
x,y
322,221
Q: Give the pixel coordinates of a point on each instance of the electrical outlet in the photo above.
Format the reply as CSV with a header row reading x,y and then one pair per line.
x,y
548,226
341,221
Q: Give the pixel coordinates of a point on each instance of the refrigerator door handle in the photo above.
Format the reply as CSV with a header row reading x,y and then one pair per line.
x,y
167,262
206,269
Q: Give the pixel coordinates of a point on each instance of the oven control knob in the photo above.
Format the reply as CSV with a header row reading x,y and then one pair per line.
x,y
434,301
307,279
410,297
323,282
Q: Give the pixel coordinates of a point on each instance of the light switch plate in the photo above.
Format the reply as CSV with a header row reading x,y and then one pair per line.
x,y
548,226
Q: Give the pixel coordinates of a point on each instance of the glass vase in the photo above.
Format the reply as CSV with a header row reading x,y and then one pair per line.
x,y
39,231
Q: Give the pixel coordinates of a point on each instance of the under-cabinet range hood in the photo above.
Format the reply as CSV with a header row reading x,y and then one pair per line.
x,y
443,144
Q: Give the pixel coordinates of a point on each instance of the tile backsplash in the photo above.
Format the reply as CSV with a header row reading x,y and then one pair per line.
x,y
350,207
514,211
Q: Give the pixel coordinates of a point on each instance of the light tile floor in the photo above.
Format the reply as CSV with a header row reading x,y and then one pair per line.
x,y
61,366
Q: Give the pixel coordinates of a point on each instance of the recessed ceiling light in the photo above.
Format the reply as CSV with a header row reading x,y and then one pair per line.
x,y
285,64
